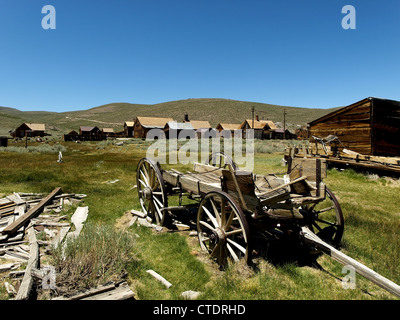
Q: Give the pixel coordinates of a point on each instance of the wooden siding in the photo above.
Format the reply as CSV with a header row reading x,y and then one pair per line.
x,y
352,125
370,126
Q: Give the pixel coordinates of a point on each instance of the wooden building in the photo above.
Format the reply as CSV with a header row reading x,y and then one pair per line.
x,y
302,133
173,129
108,133
227,127
71,136
89,133
370,126
282,134
128,128
263,129
29,130
142,125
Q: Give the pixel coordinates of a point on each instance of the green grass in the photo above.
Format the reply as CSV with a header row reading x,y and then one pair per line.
x,y
372,221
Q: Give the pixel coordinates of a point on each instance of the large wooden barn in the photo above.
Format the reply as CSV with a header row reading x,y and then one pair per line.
x,y
370,126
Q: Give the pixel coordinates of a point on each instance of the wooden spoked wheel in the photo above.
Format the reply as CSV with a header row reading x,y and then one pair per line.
x,y
222,229
326,219
151,190
220,160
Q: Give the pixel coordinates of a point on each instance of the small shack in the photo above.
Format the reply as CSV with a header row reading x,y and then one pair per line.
x,y
370,126
128,128
282,134
108,133
29,130
142,125
263,129
227,127
71,136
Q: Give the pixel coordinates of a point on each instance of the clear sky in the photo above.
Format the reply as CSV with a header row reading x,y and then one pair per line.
x,y
287,52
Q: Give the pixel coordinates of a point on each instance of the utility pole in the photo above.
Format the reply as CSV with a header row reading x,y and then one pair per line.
x,y
252,117
284,123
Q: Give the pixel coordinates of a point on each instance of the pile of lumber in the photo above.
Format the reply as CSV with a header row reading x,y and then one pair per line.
x,y
22,255
22,216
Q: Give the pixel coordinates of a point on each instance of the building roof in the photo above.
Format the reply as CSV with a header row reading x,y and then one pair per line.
x,y
153,122
36,126
108,130
229,126
129,123
200,124
88,129
72,132
173,125
260,124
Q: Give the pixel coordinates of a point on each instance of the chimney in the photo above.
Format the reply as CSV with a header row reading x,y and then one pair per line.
x,y
186,118
257,118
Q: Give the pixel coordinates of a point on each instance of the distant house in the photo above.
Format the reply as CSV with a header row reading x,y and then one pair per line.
x,y
263,129
90,133
283,134
108,133
173,129
29,130
143,125
227,127
71,136
202,127
128,128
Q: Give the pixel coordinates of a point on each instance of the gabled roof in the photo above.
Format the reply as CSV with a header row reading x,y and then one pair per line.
x,y
88,129
173,125
229,126
73,132
36,126
108,130
200,124
129,123
153,122
260,124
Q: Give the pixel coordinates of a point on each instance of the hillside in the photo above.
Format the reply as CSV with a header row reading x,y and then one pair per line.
x,y
115,114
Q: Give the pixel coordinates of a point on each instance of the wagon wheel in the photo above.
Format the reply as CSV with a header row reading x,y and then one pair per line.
x,y
326,219
222,228
151,190
220,160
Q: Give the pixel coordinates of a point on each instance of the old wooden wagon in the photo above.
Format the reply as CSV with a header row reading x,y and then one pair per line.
x,y
237,211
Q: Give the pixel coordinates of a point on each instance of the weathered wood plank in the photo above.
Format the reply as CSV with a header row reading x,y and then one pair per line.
x,y
160,278
25,218
33,262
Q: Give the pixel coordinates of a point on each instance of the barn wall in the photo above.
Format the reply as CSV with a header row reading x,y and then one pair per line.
x,y
352,127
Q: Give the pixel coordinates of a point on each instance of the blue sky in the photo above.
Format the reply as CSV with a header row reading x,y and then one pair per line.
x,y
290,52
